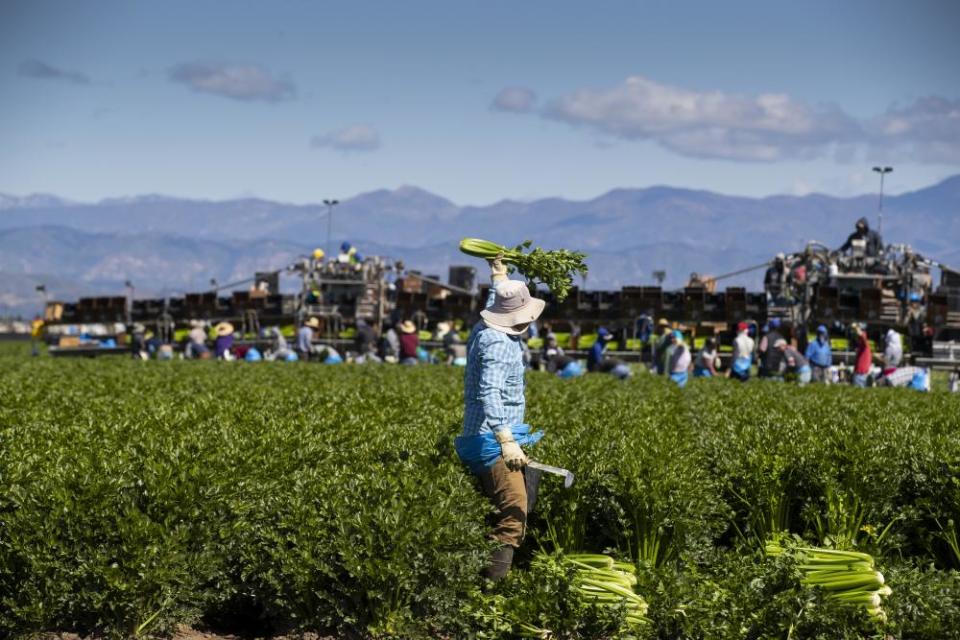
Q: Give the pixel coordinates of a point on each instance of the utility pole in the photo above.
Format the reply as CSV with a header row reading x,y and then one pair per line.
x,y
330,205
882,171
130,291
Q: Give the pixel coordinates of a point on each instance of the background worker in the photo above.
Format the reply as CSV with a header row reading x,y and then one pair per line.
x,y
598,362
770,357
224,341
494,407
892,351
864,358
660,354
679,364
365,342
305,338
795,362
705,365
742,354
455,349
409,343
820,355
197,340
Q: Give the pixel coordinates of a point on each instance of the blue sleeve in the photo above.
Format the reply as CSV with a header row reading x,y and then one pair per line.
x,y
491,296
492,379
809,352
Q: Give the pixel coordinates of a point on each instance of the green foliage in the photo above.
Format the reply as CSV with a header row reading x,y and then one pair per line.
x,y
136,496
555,268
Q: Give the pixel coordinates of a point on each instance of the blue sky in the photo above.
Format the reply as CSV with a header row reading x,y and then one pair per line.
x,y
299,101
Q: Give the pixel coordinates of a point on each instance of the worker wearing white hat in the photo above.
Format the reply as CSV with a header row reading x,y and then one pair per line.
x,y
494,404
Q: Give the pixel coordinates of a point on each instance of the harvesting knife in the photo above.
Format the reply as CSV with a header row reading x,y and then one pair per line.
x,y
557,471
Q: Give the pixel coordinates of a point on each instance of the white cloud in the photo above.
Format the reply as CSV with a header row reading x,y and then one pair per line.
x,y
926,131
712,124
357,137
514,99
43,71
247,82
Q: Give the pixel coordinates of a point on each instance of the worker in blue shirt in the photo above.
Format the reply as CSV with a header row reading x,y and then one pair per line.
x,y
493,412
820,356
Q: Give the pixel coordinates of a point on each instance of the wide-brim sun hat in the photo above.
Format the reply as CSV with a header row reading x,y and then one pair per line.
x,y
224,329
663,322
408,327
313,323
513,308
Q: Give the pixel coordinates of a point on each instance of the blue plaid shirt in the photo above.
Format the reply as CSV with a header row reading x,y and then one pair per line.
x,y
493,380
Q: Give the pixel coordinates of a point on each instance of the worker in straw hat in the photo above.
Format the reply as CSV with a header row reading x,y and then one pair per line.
x,y
409,343
224,341
305,338
494,404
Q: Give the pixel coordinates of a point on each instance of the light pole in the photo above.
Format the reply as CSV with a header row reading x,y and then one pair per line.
x,y
882,171
330,205
213,283
130,292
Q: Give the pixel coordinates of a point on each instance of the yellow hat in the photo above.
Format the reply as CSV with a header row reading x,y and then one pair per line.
x,y
318,254
224,329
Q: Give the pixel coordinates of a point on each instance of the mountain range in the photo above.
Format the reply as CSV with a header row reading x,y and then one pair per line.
x,y
167,245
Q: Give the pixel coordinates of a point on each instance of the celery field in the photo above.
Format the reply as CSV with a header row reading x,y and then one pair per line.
x,y
139,496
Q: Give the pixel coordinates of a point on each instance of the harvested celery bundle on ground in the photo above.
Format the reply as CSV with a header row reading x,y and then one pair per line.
x,y
603,581
570,596
848,577
554,268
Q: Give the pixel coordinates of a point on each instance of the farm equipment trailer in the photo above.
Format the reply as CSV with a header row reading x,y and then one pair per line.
x,y
804,289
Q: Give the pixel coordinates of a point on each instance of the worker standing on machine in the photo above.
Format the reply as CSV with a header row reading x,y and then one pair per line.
x,y
874,243
493,415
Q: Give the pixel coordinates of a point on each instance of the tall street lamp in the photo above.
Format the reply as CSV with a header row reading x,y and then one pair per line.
x,y
330,205
130,291
882,171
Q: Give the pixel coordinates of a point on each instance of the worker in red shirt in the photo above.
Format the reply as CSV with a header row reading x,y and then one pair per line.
x,y
864,357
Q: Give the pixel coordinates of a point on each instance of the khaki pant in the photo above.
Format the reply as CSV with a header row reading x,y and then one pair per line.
x,y
508,492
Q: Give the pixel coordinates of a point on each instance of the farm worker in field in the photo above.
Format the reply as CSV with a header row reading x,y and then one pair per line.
x,y
493,412
820,355
197,340
864,357
305,338
660,355
409,343
224,341
679,360
595,355
770,358
597,361
455,349
706,363
365,341
795,361
328,355
892,351
742,354
874,243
